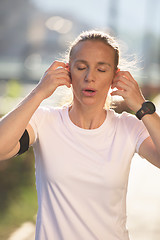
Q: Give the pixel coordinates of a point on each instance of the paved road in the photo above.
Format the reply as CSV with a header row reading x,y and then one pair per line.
x,y
144,201
25,232
144,198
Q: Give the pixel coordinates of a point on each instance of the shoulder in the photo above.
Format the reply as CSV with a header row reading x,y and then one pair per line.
x,y
122,117
45,111
45,117
125,119
46,114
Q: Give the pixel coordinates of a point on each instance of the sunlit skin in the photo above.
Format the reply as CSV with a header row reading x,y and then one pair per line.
x,y
92,67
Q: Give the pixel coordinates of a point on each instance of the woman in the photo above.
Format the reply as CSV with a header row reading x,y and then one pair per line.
x,y
83,152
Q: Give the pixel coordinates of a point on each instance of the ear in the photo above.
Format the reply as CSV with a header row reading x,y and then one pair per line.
x,y
115,73
68,69
118,70
67,66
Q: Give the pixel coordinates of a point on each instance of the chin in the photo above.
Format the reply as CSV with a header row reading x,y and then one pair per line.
x,y
93,103
89,101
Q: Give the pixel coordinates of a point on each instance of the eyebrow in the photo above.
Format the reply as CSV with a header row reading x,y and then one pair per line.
x,y
104,63
98,63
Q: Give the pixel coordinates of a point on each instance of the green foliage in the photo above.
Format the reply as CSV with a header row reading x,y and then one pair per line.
x,y
18,200
13,88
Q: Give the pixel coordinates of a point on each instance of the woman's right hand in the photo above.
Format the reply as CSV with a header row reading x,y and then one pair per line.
x,y
56,75
13,125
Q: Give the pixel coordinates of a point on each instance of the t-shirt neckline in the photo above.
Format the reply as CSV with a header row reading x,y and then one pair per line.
x,y
82,130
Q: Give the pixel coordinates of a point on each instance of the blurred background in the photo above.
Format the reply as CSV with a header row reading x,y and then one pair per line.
x,y
33,33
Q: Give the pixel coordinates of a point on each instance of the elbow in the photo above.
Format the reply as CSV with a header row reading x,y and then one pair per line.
x,y
157,160
2,158
9,154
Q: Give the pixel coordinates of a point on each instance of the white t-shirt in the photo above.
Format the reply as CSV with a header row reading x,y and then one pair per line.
x,y
82,175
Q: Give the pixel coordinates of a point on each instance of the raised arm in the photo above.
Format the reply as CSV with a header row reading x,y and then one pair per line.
x,y
13,125
128,88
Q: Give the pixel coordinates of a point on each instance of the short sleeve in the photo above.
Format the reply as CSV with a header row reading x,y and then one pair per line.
x,y
37,120
136,129
142,136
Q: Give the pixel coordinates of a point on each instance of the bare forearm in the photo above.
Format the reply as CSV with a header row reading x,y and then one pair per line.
x,y
128,88
14,123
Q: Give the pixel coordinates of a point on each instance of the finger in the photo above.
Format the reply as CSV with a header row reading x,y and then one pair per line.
x,y
57,77
127,75
63,74
122,82
58,72
118,93
65,82
62,81
120,75
131,82
117,80
120,85
56,64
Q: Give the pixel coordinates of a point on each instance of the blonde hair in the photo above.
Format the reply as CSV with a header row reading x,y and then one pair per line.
x,y
94,35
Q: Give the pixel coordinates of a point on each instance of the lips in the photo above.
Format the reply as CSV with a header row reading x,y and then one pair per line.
x,y
89,92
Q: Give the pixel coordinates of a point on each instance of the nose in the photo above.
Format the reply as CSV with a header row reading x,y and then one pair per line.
x,y
90,76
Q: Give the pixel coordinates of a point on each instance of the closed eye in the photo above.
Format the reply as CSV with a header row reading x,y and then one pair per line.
x,y
81,68
100,70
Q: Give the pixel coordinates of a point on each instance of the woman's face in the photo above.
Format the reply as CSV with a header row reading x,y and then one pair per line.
x,y
92,70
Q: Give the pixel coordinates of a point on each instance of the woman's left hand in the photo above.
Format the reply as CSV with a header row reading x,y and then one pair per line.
x,y
128,88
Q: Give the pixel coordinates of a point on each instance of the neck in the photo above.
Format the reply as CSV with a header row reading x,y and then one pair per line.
x,y
87,117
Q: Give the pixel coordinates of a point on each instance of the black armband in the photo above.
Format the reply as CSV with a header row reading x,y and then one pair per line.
x,y
24,143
